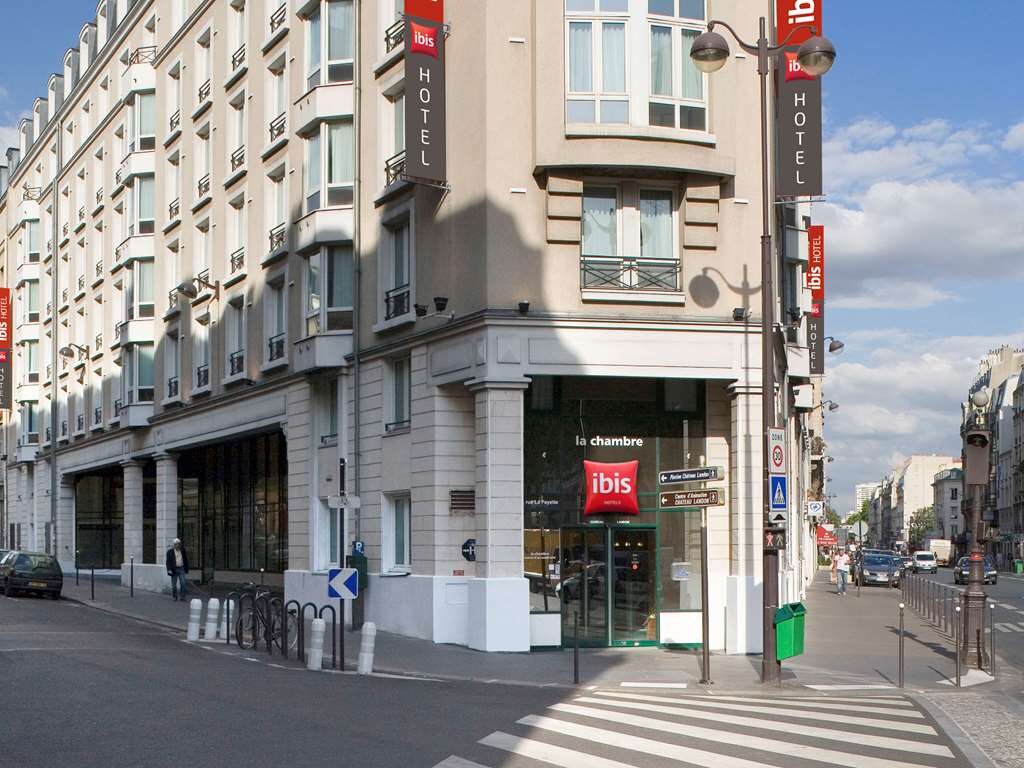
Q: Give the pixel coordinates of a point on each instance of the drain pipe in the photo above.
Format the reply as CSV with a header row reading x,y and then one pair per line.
x,y
55,339
358,270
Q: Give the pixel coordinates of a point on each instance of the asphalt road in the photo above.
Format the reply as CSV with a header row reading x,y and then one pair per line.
x,y
86,688
1008,595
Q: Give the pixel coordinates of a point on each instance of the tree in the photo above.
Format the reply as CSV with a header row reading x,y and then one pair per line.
x,y
859,515
832,517
921,524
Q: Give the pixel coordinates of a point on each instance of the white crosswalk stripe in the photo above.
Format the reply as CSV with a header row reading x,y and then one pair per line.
x,y
619,729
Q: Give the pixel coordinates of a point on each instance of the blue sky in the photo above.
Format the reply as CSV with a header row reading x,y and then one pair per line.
x,y
925,179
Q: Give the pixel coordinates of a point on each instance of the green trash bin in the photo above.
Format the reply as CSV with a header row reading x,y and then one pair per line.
x,y
784,626
1018,566
799,617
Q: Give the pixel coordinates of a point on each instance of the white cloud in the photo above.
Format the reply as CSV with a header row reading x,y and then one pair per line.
x,y
1014,139
879,293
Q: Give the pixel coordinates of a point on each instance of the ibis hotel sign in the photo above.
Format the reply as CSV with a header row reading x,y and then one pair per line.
x,y
799,113
816,282
6,336
424,91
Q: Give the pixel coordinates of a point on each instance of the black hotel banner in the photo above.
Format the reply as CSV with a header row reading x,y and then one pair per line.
x,y
424,91
799,129
6,331
816,339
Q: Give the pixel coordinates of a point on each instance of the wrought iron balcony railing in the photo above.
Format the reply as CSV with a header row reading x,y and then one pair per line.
x,y
629,273
275,347
277,18
394,35
394,167
396,302
175,122
236,362
238,57
145,54
203,375
277,126
238,158
204,92
203,186
277,237
238,260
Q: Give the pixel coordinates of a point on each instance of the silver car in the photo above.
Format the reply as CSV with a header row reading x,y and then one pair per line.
x,y
925,562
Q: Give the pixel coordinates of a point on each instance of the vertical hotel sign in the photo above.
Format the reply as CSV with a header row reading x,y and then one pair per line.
x,y
816,284
6,334
799,113
424,91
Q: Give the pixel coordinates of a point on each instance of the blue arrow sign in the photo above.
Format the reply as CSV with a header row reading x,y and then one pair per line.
x,y
343,583
778,493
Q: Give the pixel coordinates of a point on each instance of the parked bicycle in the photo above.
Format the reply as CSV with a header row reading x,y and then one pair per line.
x,y
260,614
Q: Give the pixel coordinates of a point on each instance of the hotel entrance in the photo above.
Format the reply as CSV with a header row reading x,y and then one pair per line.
x,y
608,583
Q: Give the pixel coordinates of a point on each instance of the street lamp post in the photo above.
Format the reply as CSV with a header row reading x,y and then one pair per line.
x,y
709,52
977,440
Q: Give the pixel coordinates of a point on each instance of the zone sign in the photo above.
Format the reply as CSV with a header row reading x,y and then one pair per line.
x,y
777,451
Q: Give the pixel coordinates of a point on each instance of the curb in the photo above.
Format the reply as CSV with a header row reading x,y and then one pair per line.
x,y
105,608
972,751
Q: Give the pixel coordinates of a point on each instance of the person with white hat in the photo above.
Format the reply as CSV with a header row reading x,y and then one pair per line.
x,y
177,569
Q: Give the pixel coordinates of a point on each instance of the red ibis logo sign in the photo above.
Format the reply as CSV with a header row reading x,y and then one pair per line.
x,y
423,39
611,488
792,14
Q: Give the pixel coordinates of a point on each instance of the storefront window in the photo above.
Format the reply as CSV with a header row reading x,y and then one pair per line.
x,y
660,424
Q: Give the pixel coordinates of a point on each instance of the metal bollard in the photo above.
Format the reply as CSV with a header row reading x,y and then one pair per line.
x,y
576,647
992,638
131,576
195,609
901,644
76,567
212,612
229,608
92,584
315,659
957,633
365,666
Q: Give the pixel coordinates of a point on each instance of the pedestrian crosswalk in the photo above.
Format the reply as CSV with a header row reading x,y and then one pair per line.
x,y
633,729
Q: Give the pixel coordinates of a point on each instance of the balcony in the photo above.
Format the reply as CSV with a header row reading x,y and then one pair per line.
x,y
173,305
630,280
80,287
278,132
65,233
173,390
396,302
278,27
28,447
236,363
174,124
27,270
394,169
65,297
139,162
202,100
97,417
64,429
277,244
97,277
98,206
394,36
81,218
237,166
174,209
322,103
203,376
80,424
132,248
97,348
202,193
275,347
238,67
237,267
139,76
323,226
325,350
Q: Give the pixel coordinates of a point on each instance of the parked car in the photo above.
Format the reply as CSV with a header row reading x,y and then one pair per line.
x,y
962,571
925,562
31,572
878,569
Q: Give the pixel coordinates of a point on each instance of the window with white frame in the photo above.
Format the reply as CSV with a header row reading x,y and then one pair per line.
x,y
203,161
173,180
202,254
96,389
204,66
201,353
238,28
330,43
174,97
596,50
398,394
275,318
277,103
139,289
329,290
29,423
237,104
234,335
142,124
31,358
172,364
277,208
236,216
677,87
327,411
328,538
137,367
630,237
142,206
329,176
395,268
33,241
396,532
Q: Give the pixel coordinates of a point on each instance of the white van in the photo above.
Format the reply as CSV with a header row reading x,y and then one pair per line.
x,y
925,562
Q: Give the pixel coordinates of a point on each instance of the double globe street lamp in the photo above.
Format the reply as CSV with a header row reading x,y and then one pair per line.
x,y
815,56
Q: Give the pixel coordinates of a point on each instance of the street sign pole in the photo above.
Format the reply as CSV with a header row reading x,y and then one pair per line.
x,y
705,625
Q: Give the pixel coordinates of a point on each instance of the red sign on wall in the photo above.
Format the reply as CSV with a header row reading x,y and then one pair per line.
x,y
816,263
5,318
6,340
790,14
429,10
825,537
611,488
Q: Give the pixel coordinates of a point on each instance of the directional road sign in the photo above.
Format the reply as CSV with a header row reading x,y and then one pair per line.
x,y
343,583
815,508
777,451
710,497
695,475
779,496
778,520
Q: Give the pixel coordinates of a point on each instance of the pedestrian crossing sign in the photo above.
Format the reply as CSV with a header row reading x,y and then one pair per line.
x,y
779,496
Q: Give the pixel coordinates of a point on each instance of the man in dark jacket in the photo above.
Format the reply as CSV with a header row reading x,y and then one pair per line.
x,y
177,568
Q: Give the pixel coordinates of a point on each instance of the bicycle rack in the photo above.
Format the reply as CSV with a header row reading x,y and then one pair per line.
x,y
284,632
334,636
227,614
302,628
251,597
268,636
273,604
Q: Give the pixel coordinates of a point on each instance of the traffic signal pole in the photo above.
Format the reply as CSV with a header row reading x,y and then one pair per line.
x,y
977,459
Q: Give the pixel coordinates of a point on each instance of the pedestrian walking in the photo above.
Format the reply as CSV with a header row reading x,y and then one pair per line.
x,y
177,569
834,557
843,572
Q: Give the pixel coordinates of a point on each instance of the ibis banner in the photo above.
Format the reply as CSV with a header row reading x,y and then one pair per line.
x,y
6,338
793,14
424,92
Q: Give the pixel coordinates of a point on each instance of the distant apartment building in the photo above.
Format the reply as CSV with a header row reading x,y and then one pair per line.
x,y
947,495
863,492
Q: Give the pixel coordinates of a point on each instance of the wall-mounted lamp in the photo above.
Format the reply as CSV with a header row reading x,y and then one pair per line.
x,y
836,347
440,304
69,350
190,288
741,314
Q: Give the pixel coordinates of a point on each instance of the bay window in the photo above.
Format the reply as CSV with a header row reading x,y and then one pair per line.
x,y
141,206
677,87
330,47
138,374
329,279
32,241
330,177
29,423
32,303
32,362
142,126
629,237
596,88
138,290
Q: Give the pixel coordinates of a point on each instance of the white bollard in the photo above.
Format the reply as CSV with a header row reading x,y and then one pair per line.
x,y
229,608
366,648
315,656
212,611
195,610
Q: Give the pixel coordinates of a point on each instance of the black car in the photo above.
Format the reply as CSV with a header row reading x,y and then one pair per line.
x,y
31,572
878,569
962,571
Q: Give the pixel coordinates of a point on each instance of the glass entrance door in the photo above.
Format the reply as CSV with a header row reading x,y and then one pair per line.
x,y
608,582
633,616
584,588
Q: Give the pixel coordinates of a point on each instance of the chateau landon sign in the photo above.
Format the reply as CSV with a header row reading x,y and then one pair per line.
x,y
611,488
799,121
424,91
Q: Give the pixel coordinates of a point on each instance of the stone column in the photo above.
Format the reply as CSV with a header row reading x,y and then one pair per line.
x,y
132,514
166,503
36,536
746,494
499,601
65,549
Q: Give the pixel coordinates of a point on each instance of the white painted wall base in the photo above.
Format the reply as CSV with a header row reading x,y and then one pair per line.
x,y
149,577
499,614
743,598
680,628
545,630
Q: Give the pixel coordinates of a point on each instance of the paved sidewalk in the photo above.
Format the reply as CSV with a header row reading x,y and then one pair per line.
x,y
851,642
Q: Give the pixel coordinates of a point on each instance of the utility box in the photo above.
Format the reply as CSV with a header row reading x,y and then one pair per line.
x,y
789,630
1018,566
